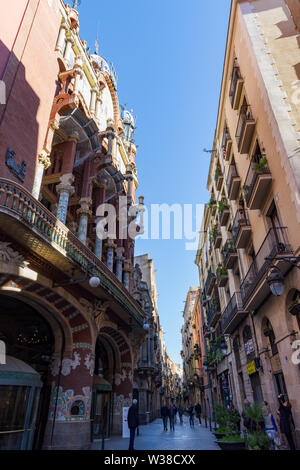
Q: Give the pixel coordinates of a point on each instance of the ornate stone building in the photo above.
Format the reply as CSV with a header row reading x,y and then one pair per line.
x,y
72,313
249,245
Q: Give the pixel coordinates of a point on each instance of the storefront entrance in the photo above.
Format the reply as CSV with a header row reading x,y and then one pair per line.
x,y
24,392
101,409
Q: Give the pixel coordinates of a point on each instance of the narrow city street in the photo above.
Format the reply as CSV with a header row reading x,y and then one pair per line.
x,y
153,437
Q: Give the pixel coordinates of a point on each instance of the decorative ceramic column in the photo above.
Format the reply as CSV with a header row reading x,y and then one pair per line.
x,y
93,101
98,108
43,163
110,254
84,212
70,42
78,73
65,190
129,179
119,261
60,45
110,134
126,273
100,194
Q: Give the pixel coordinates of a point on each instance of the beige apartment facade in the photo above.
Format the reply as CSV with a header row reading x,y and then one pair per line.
x,y
250,230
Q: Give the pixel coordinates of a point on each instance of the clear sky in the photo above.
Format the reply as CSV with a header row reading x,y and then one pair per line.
x,y
168,55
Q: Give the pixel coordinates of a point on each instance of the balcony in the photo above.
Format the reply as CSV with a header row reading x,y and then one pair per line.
x,y
213,312
245,129
218,178
254,288
210,282
233,314
230,255
236,86
222,276
216,237
257,184
25,219
241,229
226,144
224,212
233,183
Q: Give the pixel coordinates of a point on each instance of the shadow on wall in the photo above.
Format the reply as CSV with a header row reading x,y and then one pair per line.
x,y
18,125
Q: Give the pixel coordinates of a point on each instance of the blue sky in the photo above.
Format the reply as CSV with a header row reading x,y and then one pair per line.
x,y
168,55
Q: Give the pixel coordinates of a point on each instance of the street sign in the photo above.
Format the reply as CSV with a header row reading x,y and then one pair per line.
x,y
126,432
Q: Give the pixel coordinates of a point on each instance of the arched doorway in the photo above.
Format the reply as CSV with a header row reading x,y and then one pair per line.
x,y
102,405
23,379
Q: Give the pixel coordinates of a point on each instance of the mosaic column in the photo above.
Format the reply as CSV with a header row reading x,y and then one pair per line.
x,y
93,101
70,42
110,254
98,108
119,262
65,190
84,212
60,45
100,195
126,274
43,163
110,134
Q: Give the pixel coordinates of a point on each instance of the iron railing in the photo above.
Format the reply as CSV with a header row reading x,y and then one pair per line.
x,y
209,278
19,203
236,74
275,243
212,311
245,115
226,137
234,304
241,218
228,249
252,177
232,173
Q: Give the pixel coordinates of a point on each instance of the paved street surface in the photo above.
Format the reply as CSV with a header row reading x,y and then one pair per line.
x,y
153,437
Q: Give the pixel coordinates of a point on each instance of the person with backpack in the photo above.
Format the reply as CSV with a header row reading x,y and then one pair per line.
x,y
164,412
191,413
198,411
172,416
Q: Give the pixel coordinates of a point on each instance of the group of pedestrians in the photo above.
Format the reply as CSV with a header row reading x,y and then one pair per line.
x,y
270,424
170,413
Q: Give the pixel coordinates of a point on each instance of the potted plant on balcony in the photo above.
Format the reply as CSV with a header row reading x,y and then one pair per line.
x,y
217,173
222,275
262,165
212,205
223,204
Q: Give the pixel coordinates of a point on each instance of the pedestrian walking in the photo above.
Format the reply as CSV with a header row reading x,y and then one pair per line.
x,y
271,428
191,412
165,414
180,412
286,420
133,422
198,411
172,417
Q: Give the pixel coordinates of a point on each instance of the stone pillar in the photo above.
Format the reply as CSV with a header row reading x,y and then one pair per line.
x,y
84,212
110,254
43,163
93,101
129,179
126,274
110,134
119,261
65,190
60,45
78,73
70,42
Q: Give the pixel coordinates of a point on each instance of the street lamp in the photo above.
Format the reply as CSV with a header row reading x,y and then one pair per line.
x,y
275,280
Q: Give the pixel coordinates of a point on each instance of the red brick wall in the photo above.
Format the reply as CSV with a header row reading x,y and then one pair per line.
x,y
28,35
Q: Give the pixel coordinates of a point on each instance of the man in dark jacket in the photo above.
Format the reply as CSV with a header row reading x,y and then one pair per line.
x,y
133,422
165,414
198,412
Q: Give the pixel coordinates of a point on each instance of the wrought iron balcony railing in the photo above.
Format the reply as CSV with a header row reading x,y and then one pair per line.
x,y
232,314
233,182
241,228
213,312
18,203
210,281
257,181
245,129
229,254
275,243
236,75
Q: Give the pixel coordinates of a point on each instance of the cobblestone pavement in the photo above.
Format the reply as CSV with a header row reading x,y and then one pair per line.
x,y
153,437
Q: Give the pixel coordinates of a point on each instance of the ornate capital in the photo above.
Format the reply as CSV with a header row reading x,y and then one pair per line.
x,y
44,159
